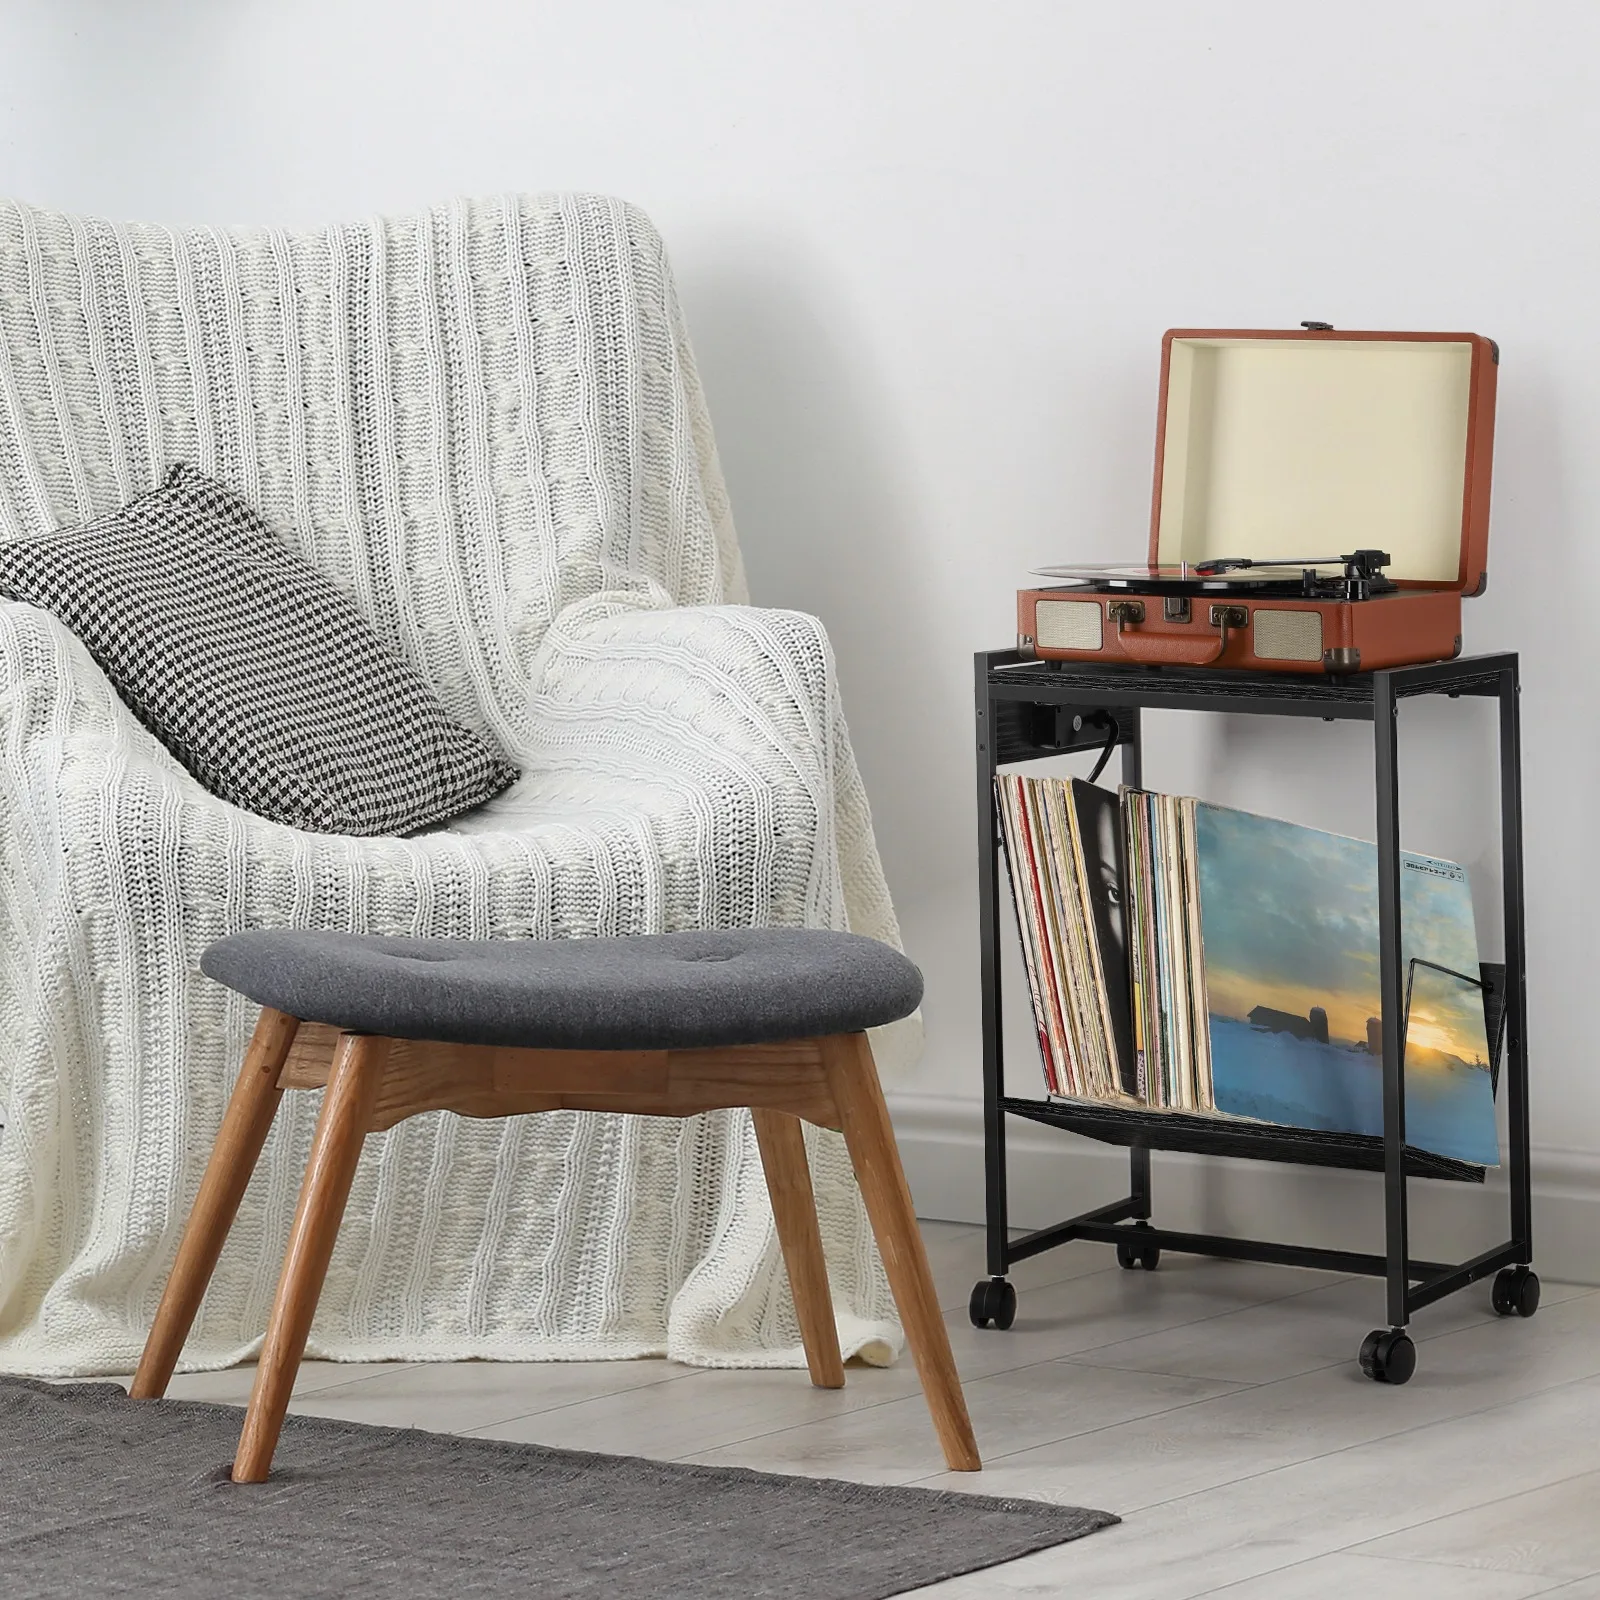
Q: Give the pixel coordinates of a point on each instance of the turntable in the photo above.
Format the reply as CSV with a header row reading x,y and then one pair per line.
x,y
1267,443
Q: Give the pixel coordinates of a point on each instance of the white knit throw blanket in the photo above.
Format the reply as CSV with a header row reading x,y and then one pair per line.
x,y
484,422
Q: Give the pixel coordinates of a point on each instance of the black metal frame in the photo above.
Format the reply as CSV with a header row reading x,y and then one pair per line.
x,y
1028,710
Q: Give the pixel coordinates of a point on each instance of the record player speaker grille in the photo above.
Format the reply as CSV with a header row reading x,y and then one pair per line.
x,y
1069,624
1287,635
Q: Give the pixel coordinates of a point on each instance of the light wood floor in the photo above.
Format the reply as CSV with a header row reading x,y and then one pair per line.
x,y
1216,1407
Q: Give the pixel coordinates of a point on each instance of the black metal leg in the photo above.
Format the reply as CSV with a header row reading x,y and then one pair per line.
x,y
1130,727
1516,1061
1385,726
1133,775
994,1122
1139,1183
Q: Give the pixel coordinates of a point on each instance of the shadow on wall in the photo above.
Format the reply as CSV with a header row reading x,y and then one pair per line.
x,y
1542,571
827,510
1323,775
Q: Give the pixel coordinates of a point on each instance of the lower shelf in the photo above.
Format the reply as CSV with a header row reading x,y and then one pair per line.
x,y
1220,1136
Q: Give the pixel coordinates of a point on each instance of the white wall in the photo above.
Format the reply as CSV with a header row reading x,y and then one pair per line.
x,y
927,249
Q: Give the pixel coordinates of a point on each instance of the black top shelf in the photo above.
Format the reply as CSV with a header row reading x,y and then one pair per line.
x,y
1348,698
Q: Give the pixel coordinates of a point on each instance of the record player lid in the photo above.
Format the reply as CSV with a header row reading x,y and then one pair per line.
x,y
1271,442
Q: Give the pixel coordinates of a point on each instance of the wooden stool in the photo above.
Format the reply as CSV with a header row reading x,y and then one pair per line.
x,y
659,1025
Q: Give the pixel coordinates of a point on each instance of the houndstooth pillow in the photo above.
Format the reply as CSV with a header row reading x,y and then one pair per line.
x,y
251,667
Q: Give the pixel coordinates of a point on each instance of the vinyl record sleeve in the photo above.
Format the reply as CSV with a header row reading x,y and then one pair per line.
x,y
1289,919
1099,814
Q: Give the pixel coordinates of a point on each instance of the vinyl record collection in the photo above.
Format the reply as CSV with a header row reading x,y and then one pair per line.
x,y
1183,956
1072,937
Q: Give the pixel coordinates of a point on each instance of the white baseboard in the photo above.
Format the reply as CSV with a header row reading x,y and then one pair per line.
x,y
1054,1175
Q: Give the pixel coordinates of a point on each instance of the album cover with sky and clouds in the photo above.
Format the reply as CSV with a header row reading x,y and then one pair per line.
x,y
1289,926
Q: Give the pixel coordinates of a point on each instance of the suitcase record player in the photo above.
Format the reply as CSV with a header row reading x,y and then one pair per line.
x,y
1370,451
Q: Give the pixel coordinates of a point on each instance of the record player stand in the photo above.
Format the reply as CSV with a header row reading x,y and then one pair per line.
x,y
1027,710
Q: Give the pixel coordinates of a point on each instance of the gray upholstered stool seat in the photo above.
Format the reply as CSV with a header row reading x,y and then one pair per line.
x,y
654,991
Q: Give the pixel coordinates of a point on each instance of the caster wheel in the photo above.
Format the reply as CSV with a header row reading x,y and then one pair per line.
x,y
1388,1355
1516,1292
993,1303
1130,1256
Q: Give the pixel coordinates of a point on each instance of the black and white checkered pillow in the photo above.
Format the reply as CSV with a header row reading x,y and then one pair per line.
x,y
251,667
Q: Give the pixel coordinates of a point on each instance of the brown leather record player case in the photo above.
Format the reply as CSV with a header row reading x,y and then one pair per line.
x,y
1321,505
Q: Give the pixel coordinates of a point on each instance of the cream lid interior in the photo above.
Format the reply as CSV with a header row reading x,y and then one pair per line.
x,y
1314,447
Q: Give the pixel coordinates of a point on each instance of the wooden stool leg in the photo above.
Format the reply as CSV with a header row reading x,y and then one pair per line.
x,y
244,1130
347,1105
794,1209
853,1080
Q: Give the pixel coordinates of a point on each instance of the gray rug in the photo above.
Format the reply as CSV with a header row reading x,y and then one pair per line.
x,y
101,1495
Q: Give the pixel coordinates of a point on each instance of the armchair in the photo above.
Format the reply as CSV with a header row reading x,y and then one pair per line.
x,y
484,422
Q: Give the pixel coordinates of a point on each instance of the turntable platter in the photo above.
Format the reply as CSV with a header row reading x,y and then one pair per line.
x,y
1152,576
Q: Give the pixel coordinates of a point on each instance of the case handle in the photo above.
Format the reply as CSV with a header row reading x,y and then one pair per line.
x,y
1174,649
